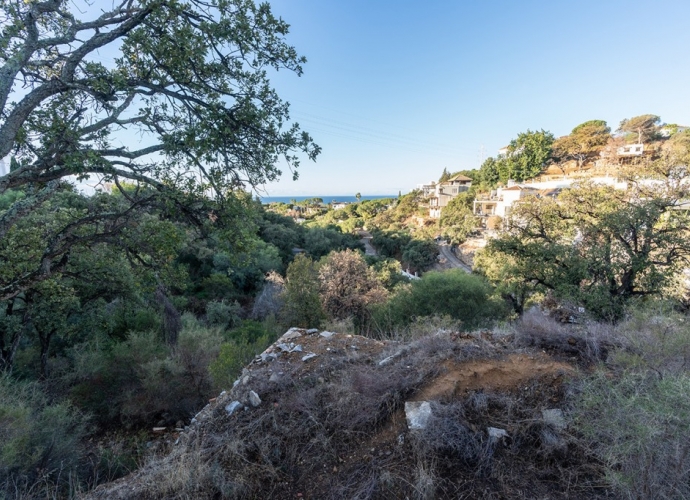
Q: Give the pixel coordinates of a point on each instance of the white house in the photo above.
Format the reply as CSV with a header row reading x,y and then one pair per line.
x,y
500,201
631,150
446,191
339,205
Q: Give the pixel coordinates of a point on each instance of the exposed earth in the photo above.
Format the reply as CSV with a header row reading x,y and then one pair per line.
x,y
324,415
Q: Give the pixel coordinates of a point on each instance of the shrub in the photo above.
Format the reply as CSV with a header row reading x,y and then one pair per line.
x,y
142,381
223,314
247,341
301,302
39,441
454,293
349,286
637,425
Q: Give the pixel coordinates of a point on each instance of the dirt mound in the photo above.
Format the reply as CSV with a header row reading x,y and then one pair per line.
x,y
490,375
322,415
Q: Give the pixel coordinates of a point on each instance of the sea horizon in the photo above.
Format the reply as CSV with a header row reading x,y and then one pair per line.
x,y
325,198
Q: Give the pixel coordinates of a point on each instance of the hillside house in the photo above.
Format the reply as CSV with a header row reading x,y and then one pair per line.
x,y
339,205
671,129
500,201
631,150
446,191
427,189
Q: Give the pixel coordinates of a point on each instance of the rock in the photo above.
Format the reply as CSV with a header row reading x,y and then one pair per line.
x,y
274,378
496,434
417,414
292,333
312,330
245,380
254,399
390,358
555,418
309,356
327,335
289,347
230,408
159,429
268,356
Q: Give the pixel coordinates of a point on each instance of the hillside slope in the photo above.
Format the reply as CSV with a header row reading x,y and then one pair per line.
x,y
328,415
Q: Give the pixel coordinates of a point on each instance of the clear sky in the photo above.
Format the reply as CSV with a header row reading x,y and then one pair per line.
x,y
394,91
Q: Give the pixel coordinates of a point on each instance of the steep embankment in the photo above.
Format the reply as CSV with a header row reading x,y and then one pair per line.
x,y
328,415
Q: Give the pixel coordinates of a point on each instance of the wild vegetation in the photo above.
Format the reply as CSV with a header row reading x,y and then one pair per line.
x,y
129,306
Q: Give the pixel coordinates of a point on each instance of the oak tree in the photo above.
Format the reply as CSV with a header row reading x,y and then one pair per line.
x,y
599,245
170,95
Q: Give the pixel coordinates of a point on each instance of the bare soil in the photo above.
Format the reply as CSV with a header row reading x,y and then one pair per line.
x,y
333,426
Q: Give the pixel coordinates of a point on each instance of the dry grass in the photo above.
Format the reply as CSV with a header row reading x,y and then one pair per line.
x,y
589,343
337,429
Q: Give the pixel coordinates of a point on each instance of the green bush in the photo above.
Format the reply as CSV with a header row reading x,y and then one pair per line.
x,y
223,314
39,441
248,340
301,302
142,381
454,293
637,425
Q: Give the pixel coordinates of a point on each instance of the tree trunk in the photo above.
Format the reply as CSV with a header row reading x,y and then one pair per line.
x,y
9,342
44,341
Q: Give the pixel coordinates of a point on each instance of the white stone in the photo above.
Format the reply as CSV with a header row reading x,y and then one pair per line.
x,y
308,356
327,335
417,414
268,356
496,434
289,347
312,330
230,408
274,378
254,399
292,333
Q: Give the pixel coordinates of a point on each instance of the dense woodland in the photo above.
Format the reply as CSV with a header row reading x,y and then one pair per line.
x,y
129,307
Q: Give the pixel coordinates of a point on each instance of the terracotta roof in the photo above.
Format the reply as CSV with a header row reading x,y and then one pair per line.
x,y
460,177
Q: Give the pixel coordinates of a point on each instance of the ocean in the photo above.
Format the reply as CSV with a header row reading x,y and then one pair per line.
x,y
326,199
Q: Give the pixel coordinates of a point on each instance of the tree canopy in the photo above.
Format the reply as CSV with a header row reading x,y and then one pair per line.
x,y
645,126
598,245
585,141
526,158
182,108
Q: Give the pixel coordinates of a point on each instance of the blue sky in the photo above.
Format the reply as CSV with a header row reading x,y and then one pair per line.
x,y
395,91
